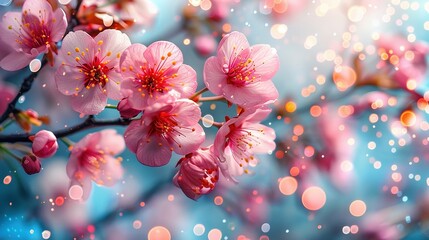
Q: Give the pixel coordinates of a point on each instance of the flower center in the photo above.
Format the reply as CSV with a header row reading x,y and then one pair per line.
x,y
240,72
163,125
95,73
152,81
33,31
91,161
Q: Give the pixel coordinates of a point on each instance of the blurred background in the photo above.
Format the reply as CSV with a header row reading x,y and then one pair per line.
x,y
351,123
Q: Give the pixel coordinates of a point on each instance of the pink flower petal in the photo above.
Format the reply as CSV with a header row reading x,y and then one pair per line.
x,y
245,96
229,167
15,61
40,9
89,101
113,86
111,44
186,112
186,140
76,43
112,142
154,152
59,26
11,23
214,76
231,45
131,60
134,97
186,81
110,171
266,61
133,134
164,55
69,81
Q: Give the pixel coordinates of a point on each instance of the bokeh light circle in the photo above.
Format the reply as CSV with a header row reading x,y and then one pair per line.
x,y
76,192
357,208
159,233
313,198
288,185
215,234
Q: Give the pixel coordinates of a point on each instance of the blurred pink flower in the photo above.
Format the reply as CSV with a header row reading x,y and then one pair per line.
x,y
90,70
92,158
151,72
205,44
31,164
54,184
220,9
240,138
136,11
198,173
408,59
44,144
30,33
7,94
163,128
336,157
242,74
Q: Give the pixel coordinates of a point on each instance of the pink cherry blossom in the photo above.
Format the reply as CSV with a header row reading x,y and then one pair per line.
x,y
153,71
242,74
92,158
31,164
240,138
163,128
90,70
7,94
408,59
44,144
30,33
198,173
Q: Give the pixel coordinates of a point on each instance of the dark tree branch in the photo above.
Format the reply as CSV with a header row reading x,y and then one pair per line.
x,y
90,122
25,87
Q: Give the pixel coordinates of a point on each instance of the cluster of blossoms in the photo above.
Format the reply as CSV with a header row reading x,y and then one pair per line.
x,y
153,83
156,93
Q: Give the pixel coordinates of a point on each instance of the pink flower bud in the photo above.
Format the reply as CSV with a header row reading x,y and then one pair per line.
x,y
44,144
205,44
126,110
31,164
198,173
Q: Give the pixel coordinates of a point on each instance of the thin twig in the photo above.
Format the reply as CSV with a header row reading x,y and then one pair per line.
x,y
90,122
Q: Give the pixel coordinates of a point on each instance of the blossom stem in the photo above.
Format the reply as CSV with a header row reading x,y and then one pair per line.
x,y
13,155
198,93
215,98
213,123
111,106
5,125
90,122
69,143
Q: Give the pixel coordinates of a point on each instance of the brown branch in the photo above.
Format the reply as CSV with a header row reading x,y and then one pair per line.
x,y
90,122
